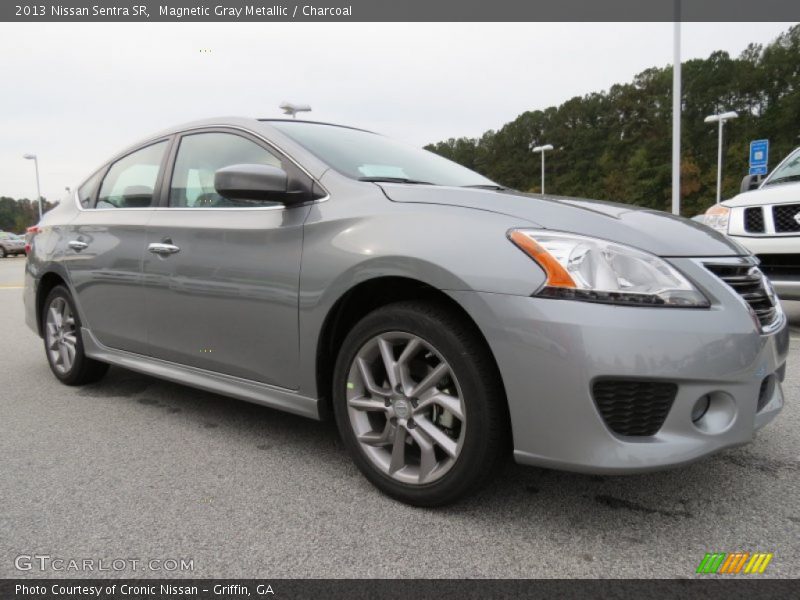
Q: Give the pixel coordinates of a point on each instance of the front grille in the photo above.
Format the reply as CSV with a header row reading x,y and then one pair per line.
x,y
786,217
748,282
631,407
780,266
754,219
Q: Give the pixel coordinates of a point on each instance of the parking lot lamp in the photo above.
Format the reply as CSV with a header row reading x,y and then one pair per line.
x,y
541,150
720,118
38,189
290,108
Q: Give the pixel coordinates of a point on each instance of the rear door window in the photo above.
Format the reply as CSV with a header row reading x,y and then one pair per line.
x,y
131,181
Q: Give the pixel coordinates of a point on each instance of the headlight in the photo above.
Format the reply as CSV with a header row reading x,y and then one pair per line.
x,y
584,268
717,217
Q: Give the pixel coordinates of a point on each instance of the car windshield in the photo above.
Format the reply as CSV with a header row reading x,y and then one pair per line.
x,y
372,157
788,171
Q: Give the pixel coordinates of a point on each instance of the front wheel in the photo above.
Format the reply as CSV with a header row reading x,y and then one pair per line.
x,y
63,343
419,404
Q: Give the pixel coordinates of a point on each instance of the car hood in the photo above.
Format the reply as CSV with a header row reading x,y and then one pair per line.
x,y
778,193
650,230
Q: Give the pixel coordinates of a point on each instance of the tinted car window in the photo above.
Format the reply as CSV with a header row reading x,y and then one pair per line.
x,y
131,181
200,155
364,155
86,191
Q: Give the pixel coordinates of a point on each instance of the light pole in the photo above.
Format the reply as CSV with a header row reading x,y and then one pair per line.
x,y
676,110
289,108
720,118
38,189
541,150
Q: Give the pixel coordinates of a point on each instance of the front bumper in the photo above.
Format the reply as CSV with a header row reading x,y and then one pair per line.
x,y
551,351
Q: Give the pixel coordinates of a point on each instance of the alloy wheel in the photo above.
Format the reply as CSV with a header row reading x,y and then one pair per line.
x,y
61,335
406,407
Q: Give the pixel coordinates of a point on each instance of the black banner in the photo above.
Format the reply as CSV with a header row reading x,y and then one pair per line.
x,y
394,10
746,587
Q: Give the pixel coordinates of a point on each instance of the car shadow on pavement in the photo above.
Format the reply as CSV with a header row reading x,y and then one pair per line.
x,y
517,495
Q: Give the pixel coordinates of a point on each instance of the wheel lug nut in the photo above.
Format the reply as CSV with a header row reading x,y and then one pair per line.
x,y
414,402
411,424
398,388
387,402
393,420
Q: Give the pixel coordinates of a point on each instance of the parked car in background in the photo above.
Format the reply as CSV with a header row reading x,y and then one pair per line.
x,y
11,244
765,219
440,318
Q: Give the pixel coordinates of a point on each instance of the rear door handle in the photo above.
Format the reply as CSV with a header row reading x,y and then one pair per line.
x,y
163,249
77,245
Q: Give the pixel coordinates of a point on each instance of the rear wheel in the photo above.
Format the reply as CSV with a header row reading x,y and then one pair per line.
x,y
63,343
419,404
2,252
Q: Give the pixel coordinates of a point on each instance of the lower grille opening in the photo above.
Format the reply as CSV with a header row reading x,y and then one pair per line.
x,y
765,392
634,407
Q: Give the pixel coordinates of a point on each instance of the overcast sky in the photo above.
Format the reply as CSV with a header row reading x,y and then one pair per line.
x,y
76,93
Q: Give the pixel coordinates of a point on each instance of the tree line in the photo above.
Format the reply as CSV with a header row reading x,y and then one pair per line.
x,y
17,215
617,144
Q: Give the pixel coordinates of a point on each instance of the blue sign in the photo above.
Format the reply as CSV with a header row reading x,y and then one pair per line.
x,y
758,170
759,156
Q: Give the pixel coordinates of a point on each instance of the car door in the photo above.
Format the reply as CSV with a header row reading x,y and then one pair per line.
x,y
106,245
222,276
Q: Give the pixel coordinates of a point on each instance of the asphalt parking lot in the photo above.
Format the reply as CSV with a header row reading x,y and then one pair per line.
x,y
133,467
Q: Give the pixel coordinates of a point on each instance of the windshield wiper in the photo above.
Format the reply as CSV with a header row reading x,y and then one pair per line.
x,y
486,186
785,178
394,180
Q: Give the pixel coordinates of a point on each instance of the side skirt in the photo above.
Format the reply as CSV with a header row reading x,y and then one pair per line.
x,y
235,387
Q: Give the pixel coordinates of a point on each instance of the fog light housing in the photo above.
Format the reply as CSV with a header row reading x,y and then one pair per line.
x,y
714,412
701,408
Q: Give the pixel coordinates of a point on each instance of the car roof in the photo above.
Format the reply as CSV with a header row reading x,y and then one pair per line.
x,y
263,127
279,120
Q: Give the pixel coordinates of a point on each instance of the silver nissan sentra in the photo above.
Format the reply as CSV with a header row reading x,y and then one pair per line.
x,y
440,318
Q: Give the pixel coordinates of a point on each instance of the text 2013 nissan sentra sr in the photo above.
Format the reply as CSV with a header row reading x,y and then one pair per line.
x,y
441,318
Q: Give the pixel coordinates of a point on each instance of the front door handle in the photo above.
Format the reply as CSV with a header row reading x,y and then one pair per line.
x,y
163,249
77,245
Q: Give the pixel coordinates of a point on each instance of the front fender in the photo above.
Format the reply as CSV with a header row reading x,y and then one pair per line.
x,y
361,235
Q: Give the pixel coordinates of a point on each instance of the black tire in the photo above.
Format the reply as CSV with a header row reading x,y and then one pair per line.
x,y
2,252
84,369
459,344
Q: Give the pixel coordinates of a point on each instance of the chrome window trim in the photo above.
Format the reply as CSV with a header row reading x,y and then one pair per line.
x,y
269,143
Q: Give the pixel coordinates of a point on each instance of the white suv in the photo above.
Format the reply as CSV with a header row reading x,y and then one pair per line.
x,y
766,220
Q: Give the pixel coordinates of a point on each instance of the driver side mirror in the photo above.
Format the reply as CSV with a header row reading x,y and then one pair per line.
x,y
253,183
749,183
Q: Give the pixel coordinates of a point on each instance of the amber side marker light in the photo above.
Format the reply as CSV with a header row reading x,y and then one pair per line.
x,y
557,275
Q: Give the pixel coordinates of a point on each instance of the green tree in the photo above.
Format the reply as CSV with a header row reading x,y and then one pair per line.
x,y
616,145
